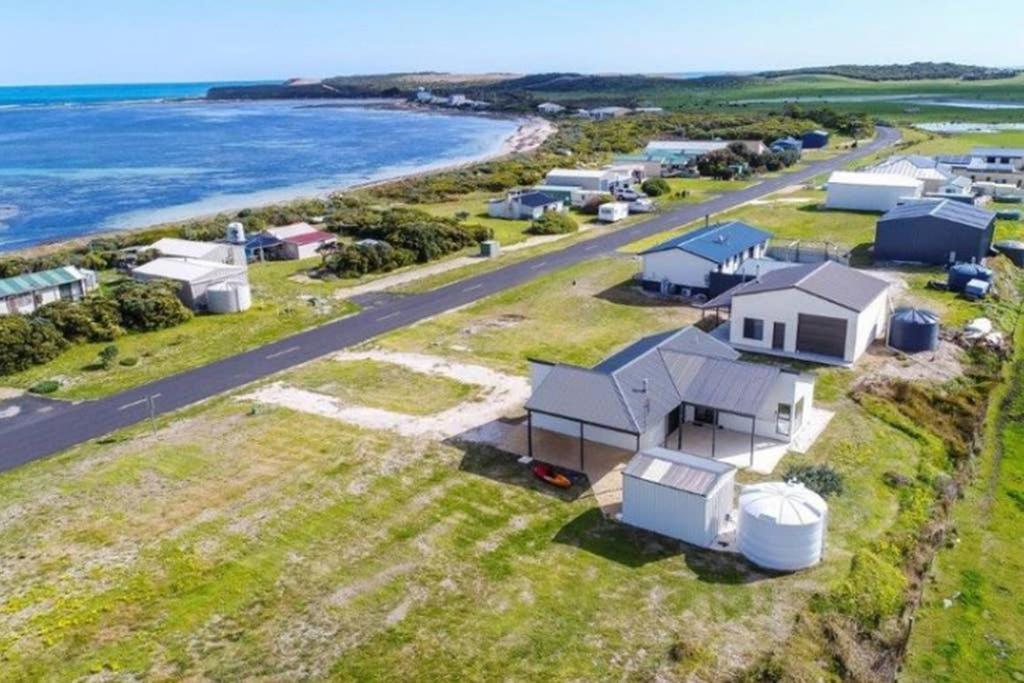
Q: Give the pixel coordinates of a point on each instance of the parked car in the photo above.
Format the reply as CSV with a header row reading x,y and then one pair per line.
x,y
642,205
629,195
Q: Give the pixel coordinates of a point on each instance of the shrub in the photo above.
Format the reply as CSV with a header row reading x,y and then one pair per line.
x,y
821,479
351,260
593,204
553,223
27,341
129,361
107,355
47,386
873,591
146,306
90,320
655,187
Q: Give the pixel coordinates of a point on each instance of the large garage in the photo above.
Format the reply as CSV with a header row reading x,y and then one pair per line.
x,y
821,334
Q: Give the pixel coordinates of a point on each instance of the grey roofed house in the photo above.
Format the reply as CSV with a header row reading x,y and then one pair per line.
x,y
643,383
826,280
535,199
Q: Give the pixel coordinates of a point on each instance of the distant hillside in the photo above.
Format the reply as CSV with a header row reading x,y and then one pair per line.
x,y
899,72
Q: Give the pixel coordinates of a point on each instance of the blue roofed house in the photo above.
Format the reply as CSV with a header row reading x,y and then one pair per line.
x,y
814,139
524,204
688,263
936,232
787,144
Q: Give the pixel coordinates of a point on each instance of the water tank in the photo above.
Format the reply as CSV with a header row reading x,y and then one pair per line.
x,y
781,525
235,233
1013,249
962,273
914,329
228,297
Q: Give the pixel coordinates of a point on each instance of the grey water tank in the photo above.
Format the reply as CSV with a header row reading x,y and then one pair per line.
x,y
962,273
913,330
1013,250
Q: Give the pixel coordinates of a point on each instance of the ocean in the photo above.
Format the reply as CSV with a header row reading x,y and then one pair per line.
x,y
75,160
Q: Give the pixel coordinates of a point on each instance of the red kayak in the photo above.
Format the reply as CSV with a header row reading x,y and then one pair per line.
x,y
548,474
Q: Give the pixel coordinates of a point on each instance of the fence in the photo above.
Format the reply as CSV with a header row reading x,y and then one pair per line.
x,y
800,251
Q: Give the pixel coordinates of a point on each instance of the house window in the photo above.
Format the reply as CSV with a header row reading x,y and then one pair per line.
x,y
753,328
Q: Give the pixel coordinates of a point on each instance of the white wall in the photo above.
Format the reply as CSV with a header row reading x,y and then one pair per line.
x,y
867,197
785,306
677,514
678,267
872,324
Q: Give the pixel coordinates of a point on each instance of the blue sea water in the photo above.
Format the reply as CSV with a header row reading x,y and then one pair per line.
x,y
72,169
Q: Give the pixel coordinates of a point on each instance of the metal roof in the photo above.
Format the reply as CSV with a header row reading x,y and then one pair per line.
x,y
870,178
261,240
698,146
680,471
1012,152
43,279
310,237
827,280
172,246
291,230
717,243
535,199
186,270
945,209
633,389
954,159
914,166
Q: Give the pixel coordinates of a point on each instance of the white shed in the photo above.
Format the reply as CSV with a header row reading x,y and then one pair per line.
x,y
781,525
870,191
678,495
194,275
612,211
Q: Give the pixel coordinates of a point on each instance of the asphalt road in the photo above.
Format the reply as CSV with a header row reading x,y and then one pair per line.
x,y
33,433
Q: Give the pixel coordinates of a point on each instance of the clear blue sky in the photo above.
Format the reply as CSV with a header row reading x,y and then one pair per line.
x,y
96,41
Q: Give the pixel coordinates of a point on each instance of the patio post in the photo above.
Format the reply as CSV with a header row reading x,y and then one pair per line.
x,y
529,433
753,425
682,421
581,447
714,432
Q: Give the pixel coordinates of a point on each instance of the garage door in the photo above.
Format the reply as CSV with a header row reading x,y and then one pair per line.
x,y
821,334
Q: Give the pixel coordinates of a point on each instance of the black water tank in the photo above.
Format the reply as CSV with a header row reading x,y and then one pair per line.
x,y
914,329
1013,249
962,273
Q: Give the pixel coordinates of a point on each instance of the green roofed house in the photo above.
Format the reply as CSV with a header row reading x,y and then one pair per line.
x,y
25,293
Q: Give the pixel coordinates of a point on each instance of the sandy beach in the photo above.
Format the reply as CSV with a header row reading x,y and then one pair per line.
x,y
528,135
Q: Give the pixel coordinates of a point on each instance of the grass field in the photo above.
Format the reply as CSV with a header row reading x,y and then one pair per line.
x,y
241,544
381,385
281,306
505,231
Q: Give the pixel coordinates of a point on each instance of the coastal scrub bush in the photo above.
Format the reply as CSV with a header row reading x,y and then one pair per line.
x,y
27,341
356,260
129,361
655,187
93,319
47,386
821,479
146,306
873,591
107,355
553,223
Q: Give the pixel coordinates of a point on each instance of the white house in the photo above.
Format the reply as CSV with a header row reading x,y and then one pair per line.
x,y
301,240
25,293
602,113
822,312
601,180
652,392
194,275
612,212
221,252
550,108
684,264
524,204
931,173
854,191
678,495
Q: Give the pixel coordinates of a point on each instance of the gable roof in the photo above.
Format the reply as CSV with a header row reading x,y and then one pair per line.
x,y
43,279
283,231
947,210
186,269
634,388
310,237
913,166
173,246
692,146
870,178
827,280
1012,152
717,243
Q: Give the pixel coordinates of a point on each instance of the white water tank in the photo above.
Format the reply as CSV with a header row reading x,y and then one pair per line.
x,y
228,297
235,233
781,525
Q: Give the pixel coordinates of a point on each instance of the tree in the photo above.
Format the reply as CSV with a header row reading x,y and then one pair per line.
x,y
93,319
145,306
655,187
553,223
107,355
27,341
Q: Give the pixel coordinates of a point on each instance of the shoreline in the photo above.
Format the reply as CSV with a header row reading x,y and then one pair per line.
x,y
529,135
